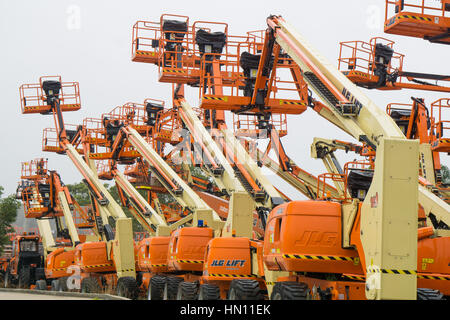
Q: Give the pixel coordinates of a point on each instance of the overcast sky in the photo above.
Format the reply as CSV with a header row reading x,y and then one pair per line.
x,y
90,42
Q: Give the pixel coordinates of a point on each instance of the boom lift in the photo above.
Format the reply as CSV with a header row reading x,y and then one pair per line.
x,y
356,177
181,238
142,118
183,251
157,270
421,19
375,65
152,253
148,266
42,191
52,96
390,270
167,286
46,198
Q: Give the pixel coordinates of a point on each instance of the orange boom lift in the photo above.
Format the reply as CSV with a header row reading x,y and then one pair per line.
x,y
109,262
46,198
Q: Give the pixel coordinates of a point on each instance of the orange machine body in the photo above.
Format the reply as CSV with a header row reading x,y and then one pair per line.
x,y
92,257
181,255
57,263
433,269
306,236
187,248
227,259
151,255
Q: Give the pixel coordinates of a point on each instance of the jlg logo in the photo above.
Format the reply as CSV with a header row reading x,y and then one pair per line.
x,y
228,263
351,98
317,238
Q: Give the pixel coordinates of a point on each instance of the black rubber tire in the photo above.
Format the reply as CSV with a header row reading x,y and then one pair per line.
x,y
429,294
127,288
25,277
156,288
187,291
138,279
7,280
244,289
54,285
90,285
62,283
41,285
39,274
209,292
171,288
290,291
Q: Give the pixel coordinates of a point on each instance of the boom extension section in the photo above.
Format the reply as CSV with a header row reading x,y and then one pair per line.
x,y
176,186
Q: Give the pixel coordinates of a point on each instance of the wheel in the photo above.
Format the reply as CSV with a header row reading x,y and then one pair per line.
x,y
127,288
171,288
90,285
62,284
187,291
41,285
429,294
209,292
138,279
7,280
25,277
244,290
290,291
39,274
55,285
156,288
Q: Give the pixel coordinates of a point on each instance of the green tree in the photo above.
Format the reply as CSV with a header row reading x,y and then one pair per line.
x,y
8,214
445,174
80,192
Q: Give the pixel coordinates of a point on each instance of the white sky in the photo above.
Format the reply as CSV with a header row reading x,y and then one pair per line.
x,y
39,38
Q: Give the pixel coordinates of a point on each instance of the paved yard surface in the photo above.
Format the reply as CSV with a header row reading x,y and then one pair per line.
x,y
28,296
